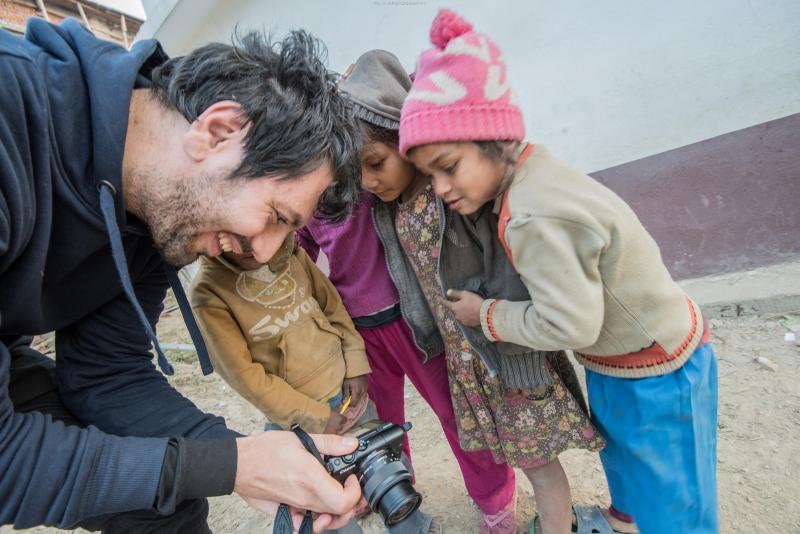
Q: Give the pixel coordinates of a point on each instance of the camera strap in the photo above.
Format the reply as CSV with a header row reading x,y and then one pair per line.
x,y
283,519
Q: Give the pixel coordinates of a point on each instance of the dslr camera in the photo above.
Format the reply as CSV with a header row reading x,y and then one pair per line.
x,y
385,480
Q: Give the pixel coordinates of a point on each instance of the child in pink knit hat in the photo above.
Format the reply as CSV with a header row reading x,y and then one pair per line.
x,y
595,284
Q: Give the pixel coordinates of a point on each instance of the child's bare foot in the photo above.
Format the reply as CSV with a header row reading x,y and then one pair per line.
x,y
618,525
595,515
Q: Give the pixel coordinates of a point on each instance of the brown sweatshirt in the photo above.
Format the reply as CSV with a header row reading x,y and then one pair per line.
x,y
279,335
595,277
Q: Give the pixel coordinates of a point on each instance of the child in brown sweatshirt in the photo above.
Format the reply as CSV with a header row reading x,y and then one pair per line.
x,y
279,334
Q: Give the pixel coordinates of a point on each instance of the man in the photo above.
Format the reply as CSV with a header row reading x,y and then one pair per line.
x,y
112,162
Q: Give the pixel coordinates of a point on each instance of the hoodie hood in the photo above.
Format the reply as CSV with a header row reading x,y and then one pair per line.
x,y
89,78
67,95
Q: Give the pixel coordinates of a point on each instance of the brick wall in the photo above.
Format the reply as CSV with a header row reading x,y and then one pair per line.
x,y
14,14
104,22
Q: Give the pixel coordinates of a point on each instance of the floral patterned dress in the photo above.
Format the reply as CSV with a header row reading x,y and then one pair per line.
x,y
523,428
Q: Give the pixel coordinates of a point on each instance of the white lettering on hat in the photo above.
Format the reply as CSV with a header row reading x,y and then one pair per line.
x,y
494,89
450,90
461,46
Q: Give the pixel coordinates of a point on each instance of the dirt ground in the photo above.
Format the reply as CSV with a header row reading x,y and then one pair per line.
x,y
759,428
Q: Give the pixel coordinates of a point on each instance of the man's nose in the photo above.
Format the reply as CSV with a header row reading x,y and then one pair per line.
x,y
266,244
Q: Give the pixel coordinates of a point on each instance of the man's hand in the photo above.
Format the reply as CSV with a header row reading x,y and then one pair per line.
x,y
465,305
274,467
356,389
322,522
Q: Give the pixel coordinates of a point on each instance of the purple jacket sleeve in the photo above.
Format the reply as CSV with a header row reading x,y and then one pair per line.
x,y
306,240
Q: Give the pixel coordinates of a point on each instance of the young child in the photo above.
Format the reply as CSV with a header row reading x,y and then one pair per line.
x,y
521,405
377,84
595,278
280,336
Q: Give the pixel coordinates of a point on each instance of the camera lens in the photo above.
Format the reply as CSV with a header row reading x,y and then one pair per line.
x,y
387,488
398,503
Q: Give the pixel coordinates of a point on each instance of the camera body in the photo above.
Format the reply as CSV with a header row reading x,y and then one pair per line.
x,y
373,437
385,480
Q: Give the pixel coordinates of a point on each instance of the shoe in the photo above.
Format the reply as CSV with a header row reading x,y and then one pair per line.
x,y
435,527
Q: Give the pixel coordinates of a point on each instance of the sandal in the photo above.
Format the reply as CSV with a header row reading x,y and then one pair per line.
x,y
417,523
536,525
588,520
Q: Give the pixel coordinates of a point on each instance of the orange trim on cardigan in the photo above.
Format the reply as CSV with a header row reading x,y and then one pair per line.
x,y
655,353
490,321
505,214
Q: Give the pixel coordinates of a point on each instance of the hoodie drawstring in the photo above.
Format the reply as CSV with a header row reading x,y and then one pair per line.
x,y
189,320
107,192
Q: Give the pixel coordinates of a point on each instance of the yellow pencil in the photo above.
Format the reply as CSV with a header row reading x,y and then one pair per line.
x,y
346,404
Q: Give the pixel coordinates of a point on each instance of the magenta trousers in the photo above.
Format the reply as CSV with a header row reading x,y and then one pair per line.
x,y
393,355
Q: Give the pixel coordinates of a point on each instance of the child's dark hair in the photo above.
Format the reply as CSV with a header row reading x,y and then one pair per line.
x,y
502,151
298,118
377,134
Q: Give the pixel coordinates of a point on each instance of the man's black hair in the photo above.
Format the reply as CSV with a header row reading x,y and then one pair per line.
x,y
298,118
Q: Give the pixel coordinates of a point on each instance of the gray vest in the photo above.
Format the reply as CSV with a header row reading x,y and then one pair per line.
x,y
471,258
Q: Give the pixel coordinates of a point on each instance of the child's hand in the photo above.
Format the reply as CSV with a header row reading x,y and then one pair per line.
x,y
356,389
352,415
337,423
465,305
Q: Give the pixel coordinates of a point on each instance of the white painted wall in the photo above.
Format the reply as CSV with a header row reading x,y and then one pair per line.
x,y
601,83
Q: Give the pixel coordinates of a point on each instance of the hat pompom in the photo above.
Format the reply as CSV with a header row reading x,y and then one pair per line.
x,y
446,26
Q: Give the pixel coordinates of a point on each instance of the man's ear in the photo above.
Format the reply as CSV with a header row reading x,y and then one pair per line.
x,y
215,129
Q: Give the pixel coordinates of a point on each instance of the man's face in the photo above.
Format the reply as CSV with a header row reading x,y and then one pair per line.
x,y
250,216
179,179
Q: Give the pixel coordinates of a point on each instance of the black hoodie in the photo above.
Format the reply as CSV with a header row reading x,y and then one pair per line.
x,y
64,100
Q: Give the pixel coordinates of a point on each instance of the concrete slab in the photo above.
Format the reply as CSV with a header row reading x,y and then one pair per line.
x,y
770,289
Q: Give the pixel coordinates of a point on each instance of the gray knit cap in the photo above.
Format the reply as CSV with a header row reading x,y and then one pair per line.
x,y
377,86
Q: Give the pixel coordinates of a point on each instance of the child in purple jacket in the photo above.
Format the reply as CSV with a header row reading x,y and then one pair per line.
x,y
358,270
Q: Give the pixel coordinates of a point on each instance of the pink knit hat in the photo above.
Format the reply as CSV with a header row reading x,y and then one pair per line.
x,y
460,90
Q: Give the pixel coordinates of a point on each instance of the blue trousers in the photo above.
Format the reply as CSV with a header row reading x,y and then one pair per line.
x,y
661,456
